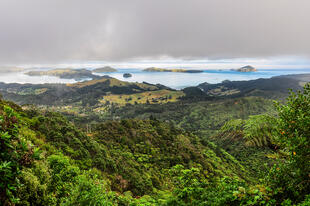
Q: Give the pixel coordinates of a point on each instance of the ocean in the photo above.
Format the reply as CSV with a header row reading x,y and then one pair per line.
x,y
182,80
170,79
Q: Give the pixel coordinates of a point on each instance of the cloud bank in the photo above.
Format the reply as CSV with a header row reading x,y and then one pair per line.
x,y
38,31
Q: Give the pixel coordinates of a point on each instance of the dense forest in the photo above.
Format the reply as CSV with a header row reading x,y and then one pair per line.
x,y
202,148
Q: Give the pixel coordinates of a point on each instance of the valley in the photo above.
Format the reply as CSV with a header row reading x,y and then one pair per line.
x,y
146,143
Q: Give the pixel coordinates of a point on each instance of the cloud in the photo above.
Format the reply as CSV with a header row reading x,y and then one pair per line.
x,y
38,31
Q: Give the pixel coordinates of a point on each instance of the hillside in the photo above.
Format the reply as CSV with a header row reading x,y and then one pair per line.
x,y
105,69
206,152
56,162
68,73
247,68
274,87
89,92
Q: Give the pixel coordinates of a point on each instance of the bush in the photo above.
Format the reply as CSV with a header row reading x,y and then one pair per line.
x,y
291,178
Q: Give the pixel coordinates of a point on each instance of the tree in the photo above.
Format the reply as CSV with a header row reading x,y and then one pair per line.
x,y
292,178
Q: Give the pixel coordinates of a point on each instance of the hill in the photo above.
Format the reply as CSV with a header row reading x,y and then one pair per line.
x,y
246,69
77,74
89,92
274,87
105,69
156,154
56,163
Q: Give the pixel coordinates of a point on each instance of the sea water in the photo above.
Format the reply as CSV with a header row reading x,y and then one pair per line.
x,y
179,80
171,79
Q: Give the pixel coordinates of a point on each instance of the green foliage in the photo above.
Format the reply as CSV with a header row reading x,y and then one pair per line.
x,y
225,191
14,153
291,178
257,130
46,160
251,142
189,183
139,154
203,118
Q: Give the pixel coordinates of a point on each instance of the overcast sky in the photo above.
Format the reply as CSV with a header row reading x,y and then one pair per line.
x,y
38,31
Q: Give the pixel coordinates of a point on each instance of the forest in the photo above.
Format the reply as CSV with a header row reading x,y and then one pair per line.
x,y
185,149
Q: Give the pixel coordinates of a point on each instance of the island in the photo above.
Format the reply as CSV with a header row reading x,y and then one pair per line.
x,y
245,69
106,69
68,73
127,75
10,69
155,69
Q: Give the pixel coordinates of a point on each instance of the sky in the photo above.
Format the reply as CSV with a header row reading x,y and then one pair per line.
x,y
57,31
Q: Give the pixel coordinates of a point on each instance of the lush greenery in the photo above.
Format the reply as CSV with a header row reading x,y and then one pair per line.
x,y
227,151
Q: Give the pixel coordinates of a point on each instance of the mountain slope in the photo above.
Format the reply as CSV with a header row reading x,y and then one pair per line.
x,y
89,92
56,162
272,87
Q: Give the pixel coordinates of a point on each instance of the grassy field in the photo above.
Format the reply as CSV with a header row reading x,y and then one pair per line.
x,y
30,91
151,97
111,82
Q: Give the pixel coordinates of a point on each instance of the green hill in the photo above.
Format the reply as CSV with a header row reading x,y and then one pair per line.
x,y
105,69
195,151
55,161
65,73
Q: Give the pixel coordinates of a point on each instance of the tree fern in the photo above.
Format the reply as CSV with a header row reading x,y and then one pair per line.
x,y
258,130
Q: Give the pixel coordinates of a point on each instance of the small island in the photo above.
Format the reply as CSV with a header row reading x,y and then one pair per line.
x,y
106,69
67,73
127,75
155,69
245,69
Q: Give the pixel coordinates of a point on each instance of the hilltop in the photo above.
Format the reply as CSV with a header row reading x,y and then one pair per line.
x,y
105,69
247,68
67,73
86,92
272,87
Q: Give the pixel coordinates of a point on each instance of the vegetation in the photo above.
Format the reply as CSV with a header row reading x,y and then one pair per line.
x,y
130,155
193,151
65,73
203,118
153,97
247,68
104,69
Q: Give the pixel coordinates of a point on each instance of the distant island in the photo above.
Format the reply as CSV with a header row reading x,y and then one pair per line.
x,y
105,69
245,69
127,75
155,69
68,73
10,69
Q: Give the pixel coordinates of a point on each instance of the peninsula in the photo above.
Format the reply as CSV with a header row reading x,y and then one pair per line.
x,y
67,73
